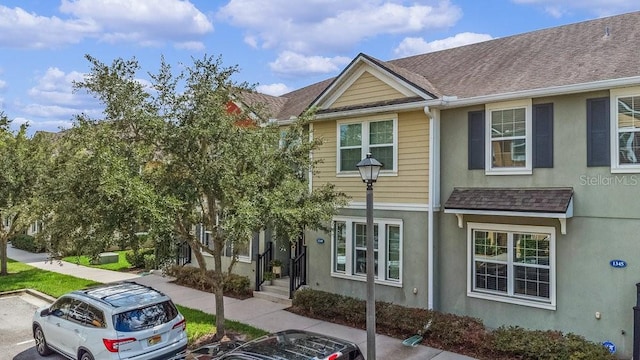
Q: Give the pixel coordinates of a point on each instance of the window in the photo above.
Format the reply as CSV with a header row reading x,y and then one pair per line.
x,y
349,244
243,250
512,264
509,144
626,136
376,136
145,318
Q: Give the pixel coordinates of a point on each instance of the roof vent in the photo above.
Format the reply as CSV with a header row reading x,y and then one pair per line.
x,y
606,31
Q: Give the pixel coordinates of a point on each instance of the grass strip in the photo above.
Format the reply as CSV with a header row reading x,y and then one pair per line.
x,y
121,265
22,276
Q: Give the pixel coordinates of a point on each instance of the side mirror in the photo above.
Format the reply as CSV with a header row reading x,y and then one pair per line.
x,y
44,312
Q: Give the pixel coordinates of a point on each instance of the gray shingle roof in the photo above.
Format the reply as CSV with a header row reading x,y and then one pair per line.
x,y
541,200
585,52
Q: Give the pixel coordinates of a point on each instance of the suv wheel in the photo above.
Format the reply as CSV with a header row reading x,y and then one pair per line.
x,y
41,343
86,356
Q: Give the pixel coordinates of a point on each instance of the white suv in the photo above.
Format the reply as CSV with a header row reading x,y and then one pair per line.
x,y
112,322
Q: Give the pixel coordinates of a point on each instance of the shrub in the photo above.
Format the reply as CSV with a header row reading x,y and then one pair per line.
x,y
454,331
137,259
462,334
391,319
27,243
238,285
149,261
546,345
234,285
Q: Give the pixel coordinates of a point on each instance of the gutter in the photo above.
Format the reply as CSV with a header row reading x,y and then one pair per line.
x,y
453,101
419,105
434,197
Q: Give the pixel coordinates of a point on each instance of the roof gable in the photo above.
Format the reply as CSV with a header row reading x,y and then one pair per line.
x,y
364,81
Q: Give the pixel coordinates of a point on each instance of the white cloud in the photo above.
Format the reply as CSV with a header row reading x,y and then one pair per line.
x,y
20,29
146,22
413,45
273,89
56,87
141,20
41,125
290,63
3,84
558,9
49,111
54,103
310,27
190,45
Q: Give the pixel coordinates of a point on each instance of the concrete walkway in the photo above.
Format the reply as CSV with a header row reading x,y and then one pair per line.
x,y
256,312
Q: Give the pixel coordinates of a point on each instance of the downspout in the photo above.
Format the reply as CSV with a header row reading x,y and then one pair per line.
x,y
434,177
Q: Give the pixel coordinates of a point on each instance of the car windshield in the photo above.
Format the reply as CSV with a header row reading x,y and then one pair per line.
x,y
146,317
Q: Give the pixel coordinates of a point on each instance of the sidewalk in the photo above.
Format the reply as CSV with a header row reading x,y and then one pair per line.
x,y
256,312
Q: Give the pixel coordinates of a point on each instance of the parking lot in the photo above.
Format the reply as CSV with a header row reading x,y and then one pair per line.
x,y
16,339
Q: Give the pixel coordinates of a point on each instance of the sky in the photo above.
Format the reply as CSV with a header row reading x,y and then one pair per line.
x,y
278,45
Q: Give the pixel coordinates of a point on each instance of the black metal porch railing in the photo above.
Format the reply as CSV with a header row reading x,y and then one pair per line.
x,y
183,254
263,264
297,272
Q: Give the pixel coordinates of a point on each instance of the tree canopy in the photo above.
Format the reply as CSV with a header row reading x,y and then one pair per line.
x,y
170,154
22,163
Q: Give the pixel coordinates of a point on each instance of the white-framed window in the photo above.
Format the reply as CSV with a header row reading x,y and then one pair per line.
x,y
206,239
243,250
509,140
625,130
376,135
512,263
349,249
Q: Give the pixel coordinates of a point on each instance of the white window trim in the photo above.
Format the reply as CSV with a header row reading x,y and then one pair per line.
x,y
616,167
551,304
364,149
349,272
527,169
243,258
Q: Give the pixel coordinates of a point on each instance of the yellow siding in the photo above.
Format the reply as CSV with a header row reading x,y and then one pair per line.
x,y
367,89
411,184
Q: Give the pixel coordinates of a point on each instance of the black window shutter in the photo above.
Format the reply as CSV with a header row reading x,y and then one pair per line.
x,y
598,141
476,144
543,136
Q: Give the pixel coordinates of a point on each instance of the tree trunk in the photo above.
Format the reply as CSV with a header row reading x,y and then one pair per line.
x,y
195,249
218,290
3,256
219,297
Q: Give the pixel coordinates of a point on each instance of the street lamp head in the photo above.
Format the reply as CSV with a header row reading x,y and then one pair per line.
x,y
369,169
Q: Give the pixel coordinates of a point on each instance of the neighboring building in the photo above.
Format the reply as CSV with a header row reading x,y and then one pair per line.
x,y
533,144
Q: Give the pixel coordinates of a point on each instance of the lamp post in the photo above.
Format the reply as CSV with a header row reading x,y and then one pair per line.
x,y
369,170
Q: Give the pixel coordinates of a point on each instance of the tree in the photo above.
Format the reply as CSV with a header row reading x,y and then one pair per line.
x,y
232,171
95,195
22,161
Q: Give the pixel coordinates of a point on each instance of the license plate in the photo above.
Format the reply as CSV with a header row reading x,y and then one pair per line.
x,y
154,339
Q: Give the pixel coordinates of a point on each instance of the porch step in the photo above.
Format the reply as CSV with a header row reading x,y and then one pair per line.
x,y
278,292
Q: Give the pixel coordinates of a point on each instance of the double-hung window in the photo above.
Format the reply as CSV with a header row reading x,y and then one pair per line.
x,y
349,244
356,139
626,134
509,141
512,263
241,250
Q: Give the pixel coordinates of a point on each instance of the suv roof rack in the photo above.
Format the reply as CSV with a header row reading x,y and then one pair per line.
x,y
125,293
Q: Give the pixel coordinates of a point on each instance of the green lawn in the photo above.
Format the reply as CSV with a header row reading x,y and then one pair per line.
x,y
22,276
121,265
